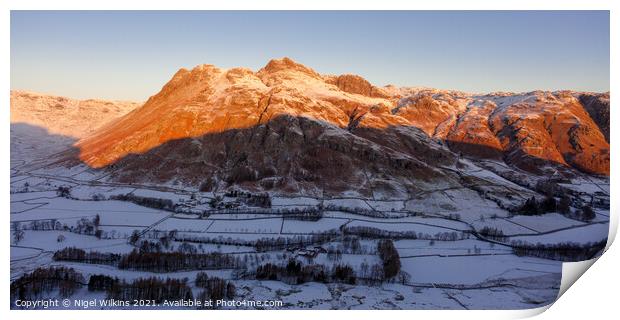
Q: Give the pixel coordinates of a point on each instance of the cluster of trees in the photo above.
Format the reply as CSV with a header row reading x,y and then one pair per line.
x,y
309,214
149,246
165,242
551,189
156,203
221,207
153,261
349,245
83,226
294,272
32,286
567,251
101,282
176,261
390,258
259,200
214,288
187,237
88,227
152,288
376,233
343,273
585,213
492,233
357,211
298,241
64,192
372,274
79,255
40,225
262,244
218,203
232,210
534,207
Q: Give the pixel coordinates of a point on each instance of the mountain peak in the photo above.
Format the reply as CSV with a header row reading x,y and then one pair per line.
x,y
287,64
201,68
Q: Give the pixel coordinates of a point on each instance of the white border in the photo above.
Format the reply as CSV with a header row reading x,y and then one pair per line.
x,y
595,295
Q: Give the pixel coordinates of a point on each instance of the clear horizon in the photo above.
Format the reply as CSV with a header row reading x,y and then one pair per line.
x,y
130,55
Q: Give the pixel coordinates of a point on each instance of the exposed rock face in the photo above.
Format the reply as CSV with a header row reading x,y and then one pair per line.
x,y
355,84
434,113
290,154
286,127
554,127
472,134
597,105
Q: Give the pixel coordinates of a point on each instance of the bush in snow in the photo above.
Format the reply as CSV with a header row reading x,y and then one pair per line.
x,y
587,213
63,191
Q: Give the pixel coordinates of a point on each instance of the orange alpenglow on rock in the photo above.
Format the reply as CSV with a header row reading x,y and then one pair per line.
x,y
286,120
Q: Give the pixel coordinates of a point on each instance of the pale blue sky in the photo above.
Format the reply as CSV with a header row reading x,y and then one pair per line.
x,y
131,55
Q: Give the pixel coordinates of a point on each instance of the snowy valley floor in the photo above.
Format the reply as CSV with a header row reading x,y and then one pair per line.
x,y
445,263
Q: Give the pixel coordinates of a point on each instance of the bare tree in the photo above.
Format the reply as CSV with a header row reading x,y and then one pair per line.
x,y
18,235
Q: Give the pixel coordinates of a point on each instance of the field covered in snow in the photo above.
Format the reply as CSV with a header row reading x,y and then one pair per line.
x,y
448,257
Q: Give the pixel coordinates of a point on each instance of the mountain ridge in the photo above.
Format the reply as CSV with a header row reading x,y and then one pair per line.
x,y
288,127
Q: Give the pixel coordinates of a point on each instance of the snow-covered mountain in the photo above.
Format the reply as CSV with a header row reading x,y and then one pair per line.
x,y
290,129
42,125
65,116
318,191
